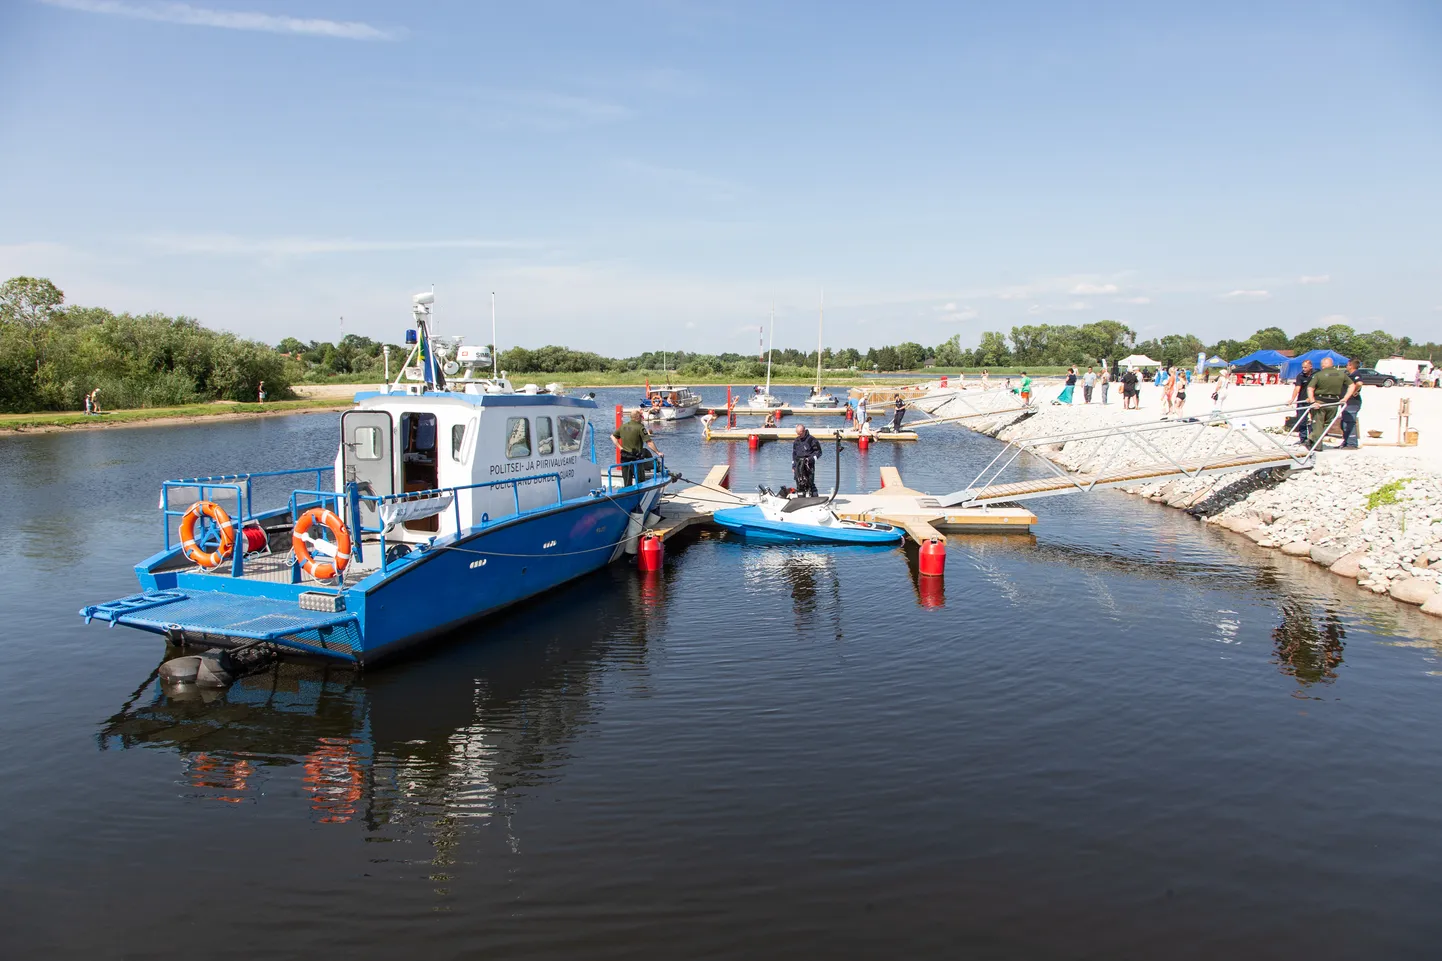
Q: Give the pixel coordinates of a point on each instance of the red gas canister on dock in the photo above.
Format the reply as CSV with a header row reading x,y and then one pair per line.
x,y
932,561
651,554
753,441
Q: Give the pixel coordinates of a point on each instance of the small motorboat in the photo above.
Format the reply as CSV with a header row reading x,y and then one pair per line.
x,y
821,399
779,519
801,520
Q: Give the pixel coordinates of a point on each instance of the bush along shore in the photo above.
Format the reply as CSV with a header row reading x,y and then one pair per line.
x,y
1373,516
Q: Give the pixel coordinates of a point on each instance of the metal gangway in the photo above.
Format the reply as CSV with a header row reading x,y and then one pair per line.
x,y
1221,442
954,406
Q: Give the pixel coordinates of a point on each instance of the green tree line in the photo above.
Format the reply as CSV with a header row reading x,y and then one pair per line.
x,y
52,355
1039,345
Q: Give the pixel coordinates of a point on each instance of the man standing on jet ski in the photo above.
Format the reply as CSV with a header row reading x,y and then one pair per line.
x,y
804,451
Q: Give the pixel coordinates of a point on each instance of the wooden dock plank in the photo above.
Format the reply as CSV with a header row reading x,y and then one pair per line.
x,y
891,482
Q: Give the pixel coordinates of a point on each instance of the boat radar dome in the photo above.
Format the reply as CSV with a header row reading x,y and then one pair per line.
x,y
424,299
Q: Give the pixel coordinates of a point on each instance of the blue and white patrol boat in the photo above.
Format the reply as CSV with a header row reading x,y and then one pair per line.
x,y
451,496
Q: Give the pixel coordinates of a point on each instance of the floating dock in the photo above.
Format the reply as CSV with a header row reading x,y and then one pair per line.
x,y
820,433
917,513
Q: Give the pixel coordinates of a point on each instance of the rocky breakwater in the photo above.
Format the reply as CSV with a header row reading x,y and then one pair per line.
x,y
1373,515
1376,521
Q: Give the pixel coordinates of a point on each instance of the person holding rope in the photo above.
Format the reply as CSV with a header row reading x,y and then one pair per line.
x,y
804,451
898,415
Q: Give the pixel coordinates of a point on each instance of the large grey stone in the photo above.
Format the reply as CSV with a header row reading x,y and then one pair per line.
x,y
1326,556
1258,534
1348,565
1242,524
1411,590
1297,549
1433,605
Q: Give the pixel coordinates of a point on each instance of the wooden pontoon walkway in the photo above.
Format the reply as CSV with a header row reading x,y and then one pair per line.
x,y
920,515
820,433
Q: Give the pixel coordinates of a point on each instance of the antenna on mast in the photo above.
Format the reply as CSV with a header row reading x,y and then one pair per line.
x,y
495,350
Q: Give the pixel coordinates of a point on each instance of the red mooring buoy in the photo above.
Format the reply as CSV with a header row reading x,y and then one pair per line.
x,y
863,442
651,554
753,441
933,557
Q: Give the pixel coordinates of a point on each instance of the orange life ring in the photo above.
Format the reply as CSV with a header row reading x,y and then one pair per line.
x,y
207,559
320,569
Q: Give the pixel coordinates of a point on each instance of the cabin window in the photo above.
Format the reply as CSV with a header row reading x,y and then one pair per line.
x,y
458,443
368,443
572,430
518,437
545,439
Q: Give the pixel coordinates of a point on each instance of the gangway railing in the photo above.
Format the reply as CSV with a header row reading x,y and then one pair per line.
x,y
974,403
1221,442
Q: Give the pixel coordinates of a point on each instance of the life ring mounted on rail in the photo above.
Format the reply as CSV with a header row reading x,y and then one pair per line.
x,y
221,526
321,568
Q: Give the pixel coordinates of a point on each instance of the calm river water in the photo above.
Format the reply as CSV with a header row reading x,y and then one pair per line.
x,y
1128,736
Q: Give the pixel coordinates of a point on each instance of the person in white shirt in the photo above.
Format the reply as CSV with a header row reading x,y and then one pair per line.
x,y
1088,382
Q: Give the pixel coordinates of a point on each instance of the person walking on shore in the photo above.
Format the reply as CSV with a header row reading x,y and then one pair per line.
x,y
1129,389
95,401
1025,388
260,393
1089,382
1169,385
1351,433
1106,379
804,451
632,439
986,378
1065,397
1219,396
1300,399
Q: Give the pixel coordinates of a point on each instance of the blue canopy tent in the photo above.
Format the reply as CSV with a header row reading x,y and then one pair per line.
x,y
1215,361
1269,358
1293,366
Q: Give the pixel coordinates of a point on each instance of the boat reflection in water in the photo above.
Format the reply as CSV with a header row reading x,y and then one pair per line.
x,y
462,733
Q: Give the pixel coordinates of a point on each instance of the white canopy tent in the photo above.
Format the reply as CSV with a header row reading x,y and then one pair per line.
x,y
1139,360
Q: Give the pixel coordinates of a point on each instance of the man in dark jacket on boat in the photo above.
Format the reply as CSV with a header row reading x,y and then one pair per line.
x,y
633,440
804,451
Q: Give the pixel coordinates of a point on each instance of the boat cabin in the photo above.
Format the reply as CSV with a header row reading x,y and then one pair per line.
x,y
505,453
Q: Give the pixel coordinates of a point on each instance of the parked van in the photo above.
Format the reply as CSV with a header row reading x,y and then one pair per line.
x,y
1404,370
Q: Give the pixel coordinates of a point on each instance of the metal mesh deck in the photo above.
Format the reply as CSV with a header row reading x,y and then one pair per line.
x,y
204,615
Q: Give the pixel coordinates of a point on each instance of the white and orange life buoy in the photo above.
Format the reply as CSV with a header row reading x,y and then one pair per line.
x,y
188,545
320,568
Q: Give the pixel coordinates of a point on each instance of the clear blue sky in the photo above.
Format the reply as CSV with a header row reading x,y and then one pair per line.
x,y
623,174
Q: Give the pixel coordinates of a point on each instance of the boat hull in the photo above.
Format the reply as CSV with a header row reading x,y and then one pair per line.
x,y
453,582
752,524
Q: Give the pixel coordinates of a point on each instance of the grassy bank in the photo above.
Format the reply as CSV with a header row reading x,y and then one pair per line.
x,y
77,420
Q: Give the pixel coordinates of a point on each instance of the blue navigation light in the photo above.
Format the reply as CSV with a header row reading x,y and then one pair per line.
x,y
411,336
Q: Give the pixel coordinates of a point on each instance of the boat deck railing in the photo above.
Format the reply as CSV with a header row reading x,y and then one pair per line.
x,y
242,487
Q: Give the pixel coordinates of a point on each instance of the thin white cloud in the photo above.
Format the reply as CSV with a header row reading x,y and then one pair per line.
x,y
1247,295
191,16
1134,300
954,314
229,245
1315,279
1094,289
714,188
1077,305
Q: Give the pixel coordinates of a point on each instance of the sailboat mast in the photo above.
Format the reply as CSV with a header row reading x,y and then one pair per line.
x,y
821,322
770,343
